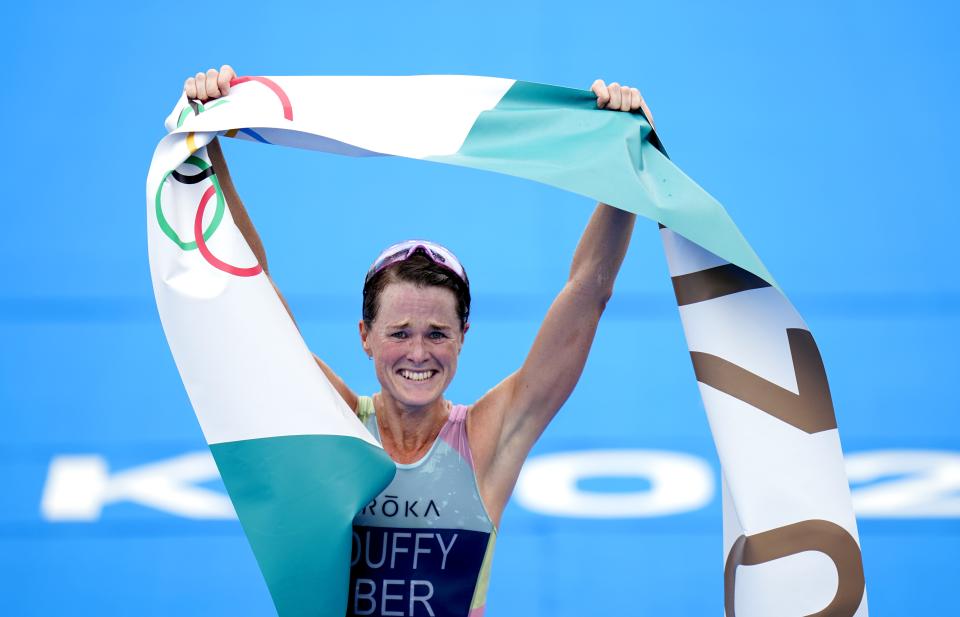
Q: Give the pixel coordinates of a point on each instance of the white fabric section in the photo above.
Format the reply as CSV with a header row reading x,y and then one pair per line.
x,y
781,475
769,588
777,474
731,522
684,257
414,116
773,473
796,585
747,328
245,367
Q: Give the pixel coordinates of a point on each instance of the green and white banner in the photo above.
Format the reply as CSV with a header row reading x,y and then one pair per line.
x,y
298,464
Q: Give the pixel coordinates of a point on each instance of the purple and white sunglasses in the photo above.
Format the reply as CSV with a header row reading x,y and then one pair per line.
x,y
402,251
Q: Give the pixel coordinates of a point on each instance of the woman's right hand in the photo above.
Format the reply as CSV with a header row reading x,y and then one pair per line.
x,y
210,85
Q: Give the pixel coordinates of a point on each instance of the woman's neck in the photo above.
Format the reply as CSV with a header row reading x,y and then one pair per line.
x,y
407,433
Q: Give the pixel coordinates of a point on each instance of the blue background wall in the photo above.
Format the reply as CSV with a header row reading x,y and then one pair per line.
x,y
827,129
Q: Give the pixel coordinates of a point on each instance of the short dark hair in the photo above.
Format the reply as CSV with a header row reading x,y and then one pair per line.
x,y
422,272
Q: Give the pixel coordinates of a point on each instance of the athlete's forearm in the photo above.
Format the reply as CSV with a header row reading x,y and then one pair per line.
x,y
601,250
237,210
245,224
240,216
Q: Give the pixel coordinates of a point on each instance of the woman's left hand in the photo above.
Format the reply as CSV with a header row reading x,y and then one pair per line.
x,y
620,98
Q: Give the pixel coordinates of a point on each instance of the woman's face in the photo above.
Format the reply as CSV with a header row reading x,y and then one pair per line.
x,y
414,342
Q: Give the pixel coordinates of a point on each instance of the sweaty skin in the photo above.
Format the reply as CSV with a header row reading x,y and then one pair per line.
x,y
416,338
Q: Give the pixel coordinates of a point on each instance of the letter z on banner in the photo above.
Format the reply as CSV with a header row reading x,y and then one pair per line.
x,y
790,544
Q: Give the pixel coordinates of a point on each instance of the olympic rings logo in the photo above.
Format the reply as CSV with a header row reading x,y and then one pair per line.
x,y
206,171
201,236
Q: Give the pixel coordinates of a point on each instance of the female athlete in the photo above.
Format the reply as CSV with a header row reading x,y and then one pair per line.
x,y
424,546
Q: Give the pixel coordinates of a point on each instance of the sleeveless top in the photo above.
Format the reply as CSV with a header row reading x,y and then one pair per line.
x,y
424,546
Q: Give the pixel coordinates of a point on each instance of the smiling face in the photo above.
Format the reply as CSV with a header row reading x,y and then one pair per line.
x,y
414,341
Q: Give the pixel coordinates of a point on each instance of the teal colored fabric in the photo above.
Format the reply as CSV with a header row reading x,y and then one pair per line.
x,y
296,497
557,136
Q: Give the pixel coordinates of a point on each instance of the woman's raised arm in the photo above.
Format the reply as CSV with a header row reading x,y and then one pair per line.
x,y
505,422
211,85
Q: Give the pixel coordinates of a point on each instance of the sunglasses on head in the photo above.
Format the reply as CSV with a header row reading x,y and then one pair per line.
x,y
402,251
